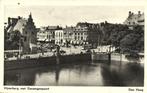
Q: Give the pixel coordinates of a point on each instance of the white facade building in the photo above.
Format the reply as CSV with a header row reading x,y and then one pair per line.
x,y
59,37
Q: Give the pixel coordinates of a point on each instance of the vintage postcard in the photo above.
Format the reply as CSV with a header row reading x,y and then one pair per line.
x,y
73,46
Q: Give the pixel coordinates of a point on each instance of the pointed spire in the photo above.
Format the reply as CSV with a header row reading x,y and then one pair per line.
x,y
30,20
30,16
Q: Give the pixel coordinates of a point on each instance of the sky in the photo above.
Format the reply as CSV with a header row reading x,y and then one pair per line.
x,y
44,15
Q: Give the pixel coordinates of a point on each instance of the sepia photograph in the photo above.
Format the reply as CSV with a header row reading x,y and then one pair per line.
x,y
77,46
73,45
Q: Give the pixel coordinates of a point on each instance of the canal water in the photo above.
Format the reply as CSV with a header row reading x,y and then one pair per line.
x,y
87,74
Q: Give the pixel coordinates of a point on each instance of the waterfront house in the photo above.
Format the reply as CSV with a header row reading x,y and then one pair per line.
x,y
59,37
86,33
80,35
47,34
26,30
67,35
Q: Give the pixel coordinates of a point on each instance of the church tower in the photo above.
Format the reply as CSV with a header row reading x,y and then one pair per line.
x,y
30,33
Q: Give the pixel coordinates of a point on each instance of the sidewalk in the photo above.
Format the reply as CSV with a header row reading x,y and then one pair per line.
x,y
46,54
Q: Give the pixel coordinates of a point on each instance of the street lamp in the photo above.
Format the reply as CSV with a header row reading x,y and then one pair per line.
x,y
20,46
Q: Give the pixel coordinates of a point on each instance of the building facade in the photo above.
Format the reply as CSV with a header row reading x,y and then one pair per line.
x,y
67,35
47,34
80,35
42,35
59,34
27,30
86,33
135,19
30,36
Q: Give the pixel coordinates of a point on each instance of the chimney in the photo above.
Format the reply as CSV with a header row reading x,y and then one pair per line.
x,y
19,17
9,20
130,13
139,13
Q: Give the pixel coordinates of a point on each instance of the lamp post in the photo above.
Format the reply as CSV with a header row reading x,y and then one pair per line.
x,y
120,57
20,46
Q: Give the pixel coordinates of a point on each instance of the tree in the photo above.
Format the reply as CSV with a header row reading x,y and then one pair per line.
x,y
129,43
15,36
14,41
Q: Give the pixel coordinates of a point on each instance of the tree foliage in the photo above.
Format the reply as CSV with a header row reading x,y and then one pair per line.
x,y
123,38
133,42
13,41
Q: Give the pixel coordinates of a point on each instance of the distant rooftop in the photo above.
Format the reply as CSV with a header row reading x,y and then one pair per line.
x,y
135,19
54,27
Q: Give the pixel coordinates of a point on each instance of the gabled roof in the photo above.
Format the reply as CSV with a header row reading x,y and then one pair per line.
x,y
20,25
10,29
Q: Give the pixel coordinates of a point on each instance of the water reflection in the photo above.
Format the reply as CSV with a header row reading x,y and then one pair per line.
x,y
96,74
130,74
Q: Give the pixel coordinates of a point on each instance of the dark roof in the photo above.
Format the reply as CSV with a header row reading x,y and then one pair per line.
x,y
53,27
69,29
83,24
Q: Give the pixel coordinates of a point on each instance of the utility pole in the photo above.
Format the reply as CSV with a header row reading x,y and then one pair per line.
x,y
19,55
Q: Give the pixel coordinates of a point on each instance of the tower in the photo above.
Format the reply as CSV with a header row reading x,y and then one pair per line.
x,y
30,34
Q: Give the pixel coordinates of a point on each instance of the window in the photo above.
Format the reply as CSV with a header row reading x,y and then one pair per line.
x,y
78,37
85,33
75,38
25,38
133,23
61,34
